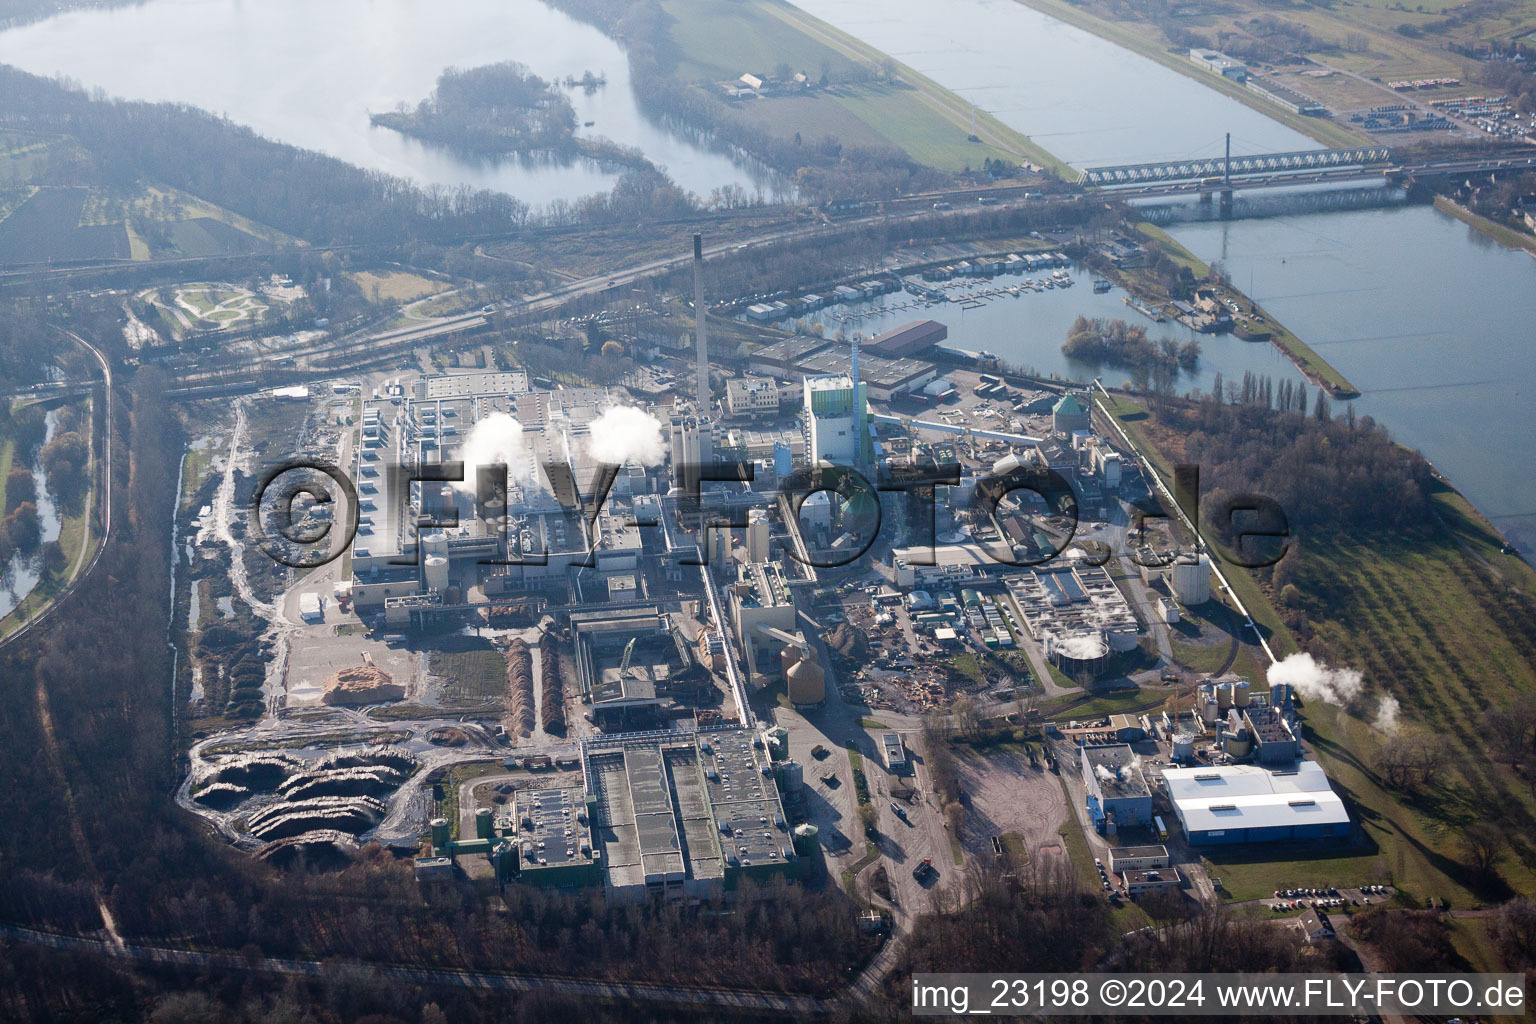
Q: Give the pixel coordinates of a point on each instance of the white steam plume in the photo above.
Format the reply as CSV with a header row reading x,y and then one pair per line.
x,y
1104,773
1386,714
496,439
1314,680
1081,647
623,434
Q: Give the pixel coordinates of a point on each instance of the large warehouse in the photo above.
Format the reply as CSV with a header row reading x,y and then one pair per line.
x,y
1253,804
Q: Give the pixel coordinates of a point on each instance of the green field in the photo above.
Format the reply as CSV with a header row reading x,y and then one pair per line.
x,y
716,43
7,453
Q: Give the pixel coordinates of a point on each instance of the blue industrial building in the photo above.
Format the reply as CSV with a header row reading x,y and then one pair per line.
x,y
1233,804
1117,790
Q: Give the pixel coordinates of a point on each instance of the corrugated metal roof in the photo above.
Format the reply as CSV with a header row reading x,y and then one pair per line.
x,y
1248,796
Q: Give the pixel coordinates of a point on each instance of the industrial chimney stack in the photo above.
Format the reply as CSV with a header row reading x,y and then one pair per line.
x,y
699,315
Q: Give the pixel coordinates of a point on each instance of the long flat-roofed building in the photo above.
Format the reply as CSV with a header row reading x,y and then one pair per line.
x,y
1254,804
908,340
684,815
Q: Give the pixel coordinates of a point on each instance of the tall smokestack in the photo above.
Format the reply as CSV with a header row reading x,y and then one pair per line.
x,y
699,315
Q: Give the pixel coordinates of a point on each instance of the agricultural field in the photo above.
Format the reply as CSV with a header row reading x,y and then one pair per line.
x,y
24,154
47,227
1377,40
167,222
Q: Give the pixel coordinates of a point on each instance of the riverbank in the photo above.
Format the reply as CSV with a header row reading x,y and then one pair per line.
x,y
1507,237
952,108
1146,40
1438,622
1313,366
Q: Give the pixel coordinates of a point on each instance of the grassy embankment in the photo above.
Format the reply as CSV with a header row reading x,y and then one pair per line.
x,y
1315,367
1507,237
871,851
718,42
7,453
1428,619
1149,42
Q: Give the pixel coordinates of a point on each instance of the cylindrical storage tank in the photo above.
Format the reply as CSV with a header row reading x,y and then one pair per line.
x,y
806,839
1240,694
1183,747
440,833
1119,639
483,823
1238,744
788,657
437,572
435,543
1192,580
1208,710
806,682
1223,696
793,775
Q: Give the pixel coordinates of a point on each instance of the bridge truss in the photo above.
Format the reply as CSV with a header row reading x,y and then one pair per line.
x,y
1218,166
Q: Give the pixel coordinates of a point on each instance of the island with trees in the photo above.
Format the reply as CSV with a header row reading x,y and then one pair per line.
x,y
500,110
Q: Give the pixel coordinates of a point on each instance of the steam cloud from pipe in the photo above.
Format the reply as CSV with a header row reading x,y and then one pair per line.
x,y
623,434
496,439
1386,714
1314,680
1104,773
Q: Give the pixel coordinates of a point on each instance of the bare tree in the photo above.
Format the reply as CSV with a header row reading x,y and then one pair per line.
x,y
1507,728
1484,843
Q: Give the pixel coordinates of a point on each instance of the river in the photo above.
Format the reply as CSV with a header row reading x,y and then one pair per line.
x,y
309,74
1088,101
1427,317
1431,320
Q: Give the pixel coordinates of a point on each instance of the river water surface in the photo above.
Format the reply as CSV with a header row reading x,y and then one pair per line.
x,y
310,73
1433,322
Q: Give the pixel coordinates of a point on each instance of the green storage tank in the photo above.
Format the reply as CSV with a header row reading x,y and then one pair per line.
x,y
440,833
483,823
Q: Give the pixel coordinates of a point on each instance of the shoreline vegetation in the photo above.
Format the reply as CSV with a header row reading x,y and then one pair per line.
x,y
1311,365
1507,237
503,109
1126,346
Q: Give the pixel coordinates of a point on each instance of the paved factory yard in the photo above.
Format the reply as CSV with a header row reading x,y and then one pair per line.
x,y
1010,797
315,660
